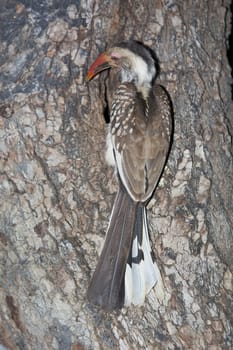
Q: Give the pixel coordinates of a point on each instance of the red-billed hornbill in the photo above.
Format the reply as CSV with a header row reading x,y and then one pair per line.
x,y
138,143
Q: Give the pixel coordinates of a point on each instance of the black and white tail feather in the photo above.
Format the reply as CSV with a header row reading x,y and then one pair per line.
x,y
120,278
142,272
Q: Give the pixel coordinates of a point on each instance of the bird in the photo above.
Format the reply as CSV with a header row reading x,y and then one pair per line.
x,y
138,143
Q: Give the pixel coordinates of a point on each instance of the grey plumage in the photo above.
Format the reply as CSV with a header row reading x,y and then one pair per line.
x,y
107,285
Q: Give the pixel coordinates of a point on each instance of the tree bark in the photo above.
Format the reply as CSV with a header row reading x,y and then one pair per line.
x,y
56,190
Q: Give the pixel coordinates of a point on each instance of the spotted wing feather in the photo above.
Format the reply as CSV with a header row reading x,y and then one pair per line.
x,y
141,138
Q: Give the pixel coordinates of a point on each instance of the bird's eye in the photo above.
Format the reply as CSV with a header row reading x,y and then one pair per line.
x,y
115,59
115,56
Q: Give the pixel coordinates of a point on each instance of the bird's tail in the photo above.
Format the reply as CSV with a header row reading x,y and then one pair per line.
x,y
107,285
125,272
142,272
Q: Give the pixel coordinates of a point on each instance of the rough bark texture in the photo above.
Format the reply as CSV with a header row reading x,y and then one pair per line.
x,y
56,191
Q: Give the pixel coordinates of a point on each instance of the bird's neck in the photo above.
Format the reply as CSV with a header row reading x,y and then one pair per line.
x,y
144,90
142,87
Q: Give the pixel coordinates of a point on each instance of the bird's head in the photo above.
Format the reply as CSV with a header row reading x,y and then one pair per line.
x,y
134,61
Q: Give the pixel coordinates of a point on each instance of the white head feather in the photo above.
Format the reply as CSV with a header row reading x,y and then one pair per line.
x,y
134,69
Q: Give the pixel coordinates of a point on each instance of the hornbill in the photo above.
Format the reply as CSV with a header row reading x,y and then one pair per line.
x,y
138,143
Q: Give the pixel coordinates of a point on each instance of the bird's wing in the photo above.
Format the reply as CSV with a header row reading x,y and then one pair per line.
x,y
141,137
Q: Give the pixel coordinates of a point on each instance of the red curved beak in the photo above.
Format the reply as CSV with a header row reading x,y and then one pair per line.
x,y
101,63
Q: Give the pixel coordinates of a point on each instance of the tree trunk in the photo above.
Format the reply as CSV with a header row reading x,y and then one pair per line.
x,y
56,190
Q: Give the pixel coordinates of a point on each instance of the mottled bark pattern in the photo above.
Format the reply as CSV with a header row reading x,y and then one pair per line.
x,y
56,191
